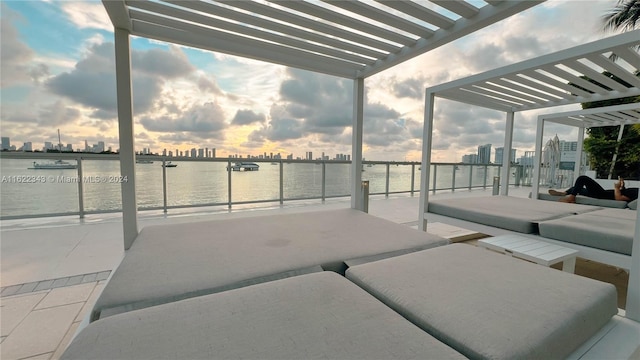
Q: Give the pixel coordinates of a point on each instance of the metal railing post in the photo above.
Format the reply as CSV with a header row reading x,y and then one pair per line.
x,y
413,177
470,176
496,185
435,176
80,188
453,179
164,186
386,192
324,180
486,169
281,183
229,182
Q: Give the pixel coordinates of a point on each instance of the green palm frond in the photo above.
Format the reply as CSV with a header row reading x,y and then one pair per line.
x,y
624,17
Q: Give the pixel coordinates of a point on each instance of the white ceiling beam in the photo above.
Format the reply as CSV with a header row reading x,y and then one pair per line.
x,y
220,24
382,16
419,12
555,83
536,86
533,94
475,99
615,69
327,29
594,75
244,47
600,46
497,95
344,20
460,7
628,55
561,73
216,10
117,11
488,15
505,90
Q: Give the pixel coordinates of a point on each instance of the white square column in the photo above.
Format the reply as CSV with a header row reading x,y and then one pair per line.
x,y
506,155
425,172
356,143
125,128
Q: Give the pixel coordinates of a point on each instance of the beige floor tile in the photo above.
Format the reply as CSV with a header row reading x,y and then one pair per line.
x,y
67,295
40,332
90,302
65,341
14,309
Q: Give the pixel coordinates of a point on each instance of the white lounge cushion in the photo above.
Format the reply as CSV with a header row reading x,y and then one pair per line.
x,y
488,305
606,229
317,316
506,212
173,262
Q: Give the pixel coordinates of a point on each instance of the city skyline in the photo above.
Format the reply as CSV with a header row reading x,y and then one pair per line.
x,y
184,97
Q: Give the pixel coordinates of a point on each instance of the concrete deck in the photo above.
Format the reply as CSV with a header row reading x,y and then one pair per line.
x,y
53,269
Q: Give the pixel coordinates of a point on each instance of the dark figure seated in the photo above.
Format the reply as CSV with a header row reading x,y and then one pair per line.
x,y
586,186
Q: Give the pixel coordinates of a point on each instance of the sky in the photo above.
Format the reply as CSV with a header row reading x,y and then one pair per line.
x,y
57,72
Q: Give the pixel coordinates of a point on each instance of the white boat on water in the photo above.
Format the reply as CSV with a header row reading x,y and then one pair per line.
x,y
169,164
56,165
246,166
144,162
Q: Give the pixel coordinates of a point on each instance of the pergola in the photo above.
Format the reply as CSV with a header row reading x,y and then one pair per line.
x,y
345,38
560,78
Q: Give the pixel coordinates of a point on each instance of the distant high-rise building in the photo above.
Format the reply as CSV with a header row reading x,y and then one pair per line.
x,y
499,155
194,152
6,143
28,146
470,159
200,153
484,154
100,147
48,145
213,152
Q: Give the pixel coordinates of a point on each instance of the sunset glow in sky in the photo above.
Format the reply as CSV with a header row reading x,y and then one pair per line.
x,y
58,73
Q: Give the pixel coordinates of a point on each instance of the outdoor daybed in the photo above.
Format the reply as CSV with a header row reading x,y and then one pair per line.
x,y
167,263
602,233
490,306
479,303
505,212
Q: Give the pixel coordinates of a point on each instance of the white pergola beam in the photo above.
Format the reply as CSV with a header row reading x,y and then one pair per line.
x,y
459,7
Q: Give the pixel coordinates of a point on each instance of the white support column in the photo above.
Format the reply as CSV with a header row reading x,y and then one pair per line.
x,y
615,153
578,165
425,172
356,143
537,159
633,291
125,127
506,155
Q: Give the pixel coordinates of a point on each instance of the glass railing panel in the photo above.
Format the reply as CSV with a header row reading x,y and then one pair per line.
x,y
301,180
337,179
149,184
399,178
444,177
105,194
196,183
376,174
28,192
260,185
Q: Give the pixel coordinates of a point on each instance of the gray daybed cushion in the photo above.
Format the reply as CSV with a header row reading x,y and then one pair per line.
x,y
488,305
173,262
585,200
606,229
633,205
319,316
506,212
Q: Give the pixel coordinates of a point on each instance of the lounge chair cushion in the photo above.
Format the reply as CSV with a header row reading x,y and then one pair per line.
x,y
320,315
585,200
506,212
633,205
173,262
490,306
606,229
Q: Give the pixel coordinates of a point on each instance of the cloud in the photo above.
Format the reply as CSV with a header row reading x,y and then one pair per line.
x,y
15,55
247,117
58,113
87,15
207,85
204,121
409,88
93,82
